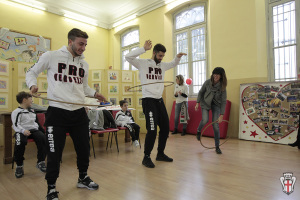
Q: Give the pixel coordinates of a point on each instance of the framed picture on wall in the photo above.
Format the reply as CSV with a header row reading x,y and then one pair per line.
x,y
43,74
114,100
140,114
43,85
126,76
96,75
113,76
43,102
4,84
4,68
125,88
22,86
139,101
128,99
113,88
3,100
23,68
97,87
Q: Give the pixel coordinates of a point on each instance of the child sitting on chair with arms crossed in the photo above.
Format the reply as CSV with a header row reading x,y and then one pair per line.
x,y
25,124
125,119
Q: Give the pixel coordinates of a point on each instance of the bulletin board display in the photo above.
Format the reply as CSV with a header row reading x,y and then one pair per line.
x,y
24,47
269,112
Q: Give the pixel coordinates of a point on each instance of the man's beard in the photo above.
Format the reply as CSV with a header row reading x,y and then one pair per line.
x,y
156,60
74,50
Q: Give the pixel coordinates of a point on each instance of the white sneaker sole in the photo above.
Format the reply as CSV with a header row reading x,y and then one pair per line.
x,y
80,185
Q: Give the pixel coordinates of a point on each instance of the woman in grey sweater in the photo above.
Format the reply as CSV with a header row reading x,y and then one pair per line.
x,y
212,96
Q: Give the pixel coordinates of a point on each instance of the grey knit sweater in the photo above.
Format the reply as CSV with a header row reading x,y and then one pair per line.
x,y
209,94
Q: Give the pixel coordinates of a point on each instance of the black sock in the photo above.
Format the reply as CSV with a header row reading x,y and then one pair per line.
x,y
147,156
82,175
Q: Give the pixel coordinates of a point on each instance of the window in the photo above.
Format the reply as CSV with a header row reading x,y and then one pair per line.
x,y
190,37
129,41
284,38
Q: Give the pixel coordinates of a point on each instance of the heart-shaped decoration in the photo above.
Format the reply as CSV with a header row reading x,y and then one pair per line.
x,y
273,109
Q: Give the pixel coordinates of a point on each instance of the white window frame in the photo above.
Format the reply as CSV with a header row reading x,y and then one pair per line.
x,y
128,47
270,35
188,29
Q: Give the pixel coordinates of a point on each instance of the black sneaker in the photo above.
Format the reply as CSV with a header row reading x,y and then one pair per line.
x,y
174,132
198,135
41,166
52,195
19,173
183,132
293,144
218,150
163,157
87,183
148,162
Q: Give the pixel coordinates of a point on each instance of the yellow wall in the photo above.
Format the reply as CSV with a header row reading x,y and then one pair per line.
x,y
56,28
236,40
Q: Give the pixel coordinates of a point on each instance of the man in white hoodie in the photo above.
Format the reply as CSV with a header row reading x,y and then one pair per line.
x,y
153,71
67,76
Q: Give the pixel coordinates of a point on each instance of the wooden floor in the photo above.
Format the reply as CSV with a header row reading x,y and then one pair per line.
x,y
245,170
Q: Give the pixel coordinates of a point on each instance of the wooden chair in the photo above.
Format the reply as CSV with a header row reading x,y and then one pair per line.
x,y
110,131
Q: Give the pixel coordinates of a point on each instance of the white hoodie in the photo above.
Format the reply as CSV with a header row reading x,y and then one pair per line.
x,y
150,72
67,78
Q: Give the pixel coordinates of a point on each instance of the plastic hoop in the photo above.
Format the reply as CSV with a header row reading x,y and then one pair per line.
x,y
80,104
204,131
137,86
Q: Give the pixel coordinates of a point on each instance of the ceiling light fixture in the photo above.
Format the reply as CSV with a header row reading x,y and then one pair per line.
x,y
29,4
81,18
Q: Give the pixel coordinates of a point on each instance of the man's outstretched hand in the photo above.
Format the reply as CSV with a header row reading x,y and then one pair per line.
x,y
181,54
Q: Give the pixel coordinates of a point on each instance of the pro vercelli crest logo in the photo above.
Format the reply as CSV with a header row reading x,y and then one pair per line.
x,y
288,182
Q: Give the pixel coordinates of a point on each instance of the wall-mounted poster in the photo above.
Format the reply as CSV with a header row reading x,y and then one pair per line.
x,y
113,76
113,88
23,68
43,85
269,112
125,88
140,114
96,75
128,99
97,87
4,68
114,100
126,76
15,46
3,100
4,84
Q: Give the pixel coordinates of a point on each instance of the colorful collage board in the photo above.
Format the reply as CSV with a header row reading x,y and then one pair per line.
x,y
270,112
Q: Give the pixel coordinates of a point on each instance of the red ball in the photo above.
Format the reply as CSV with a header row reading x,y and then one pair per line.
x,y
188,81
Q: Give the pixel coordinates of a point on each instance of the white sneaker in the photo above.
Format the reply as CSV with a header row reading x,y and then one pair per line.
x,y
136,143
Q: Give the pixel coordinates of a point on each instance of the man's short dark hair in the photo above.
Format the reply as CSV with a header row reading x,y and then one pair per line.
x,y
122,102
22,95
75,32
159,47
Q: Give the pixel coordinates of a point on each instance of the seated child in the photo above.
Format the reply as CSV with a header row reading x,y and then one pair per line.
x,y
124,118
25,124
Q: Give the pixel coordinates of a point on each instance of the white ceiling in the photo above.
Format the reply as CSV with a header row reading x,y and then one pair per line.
x,y
106,12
